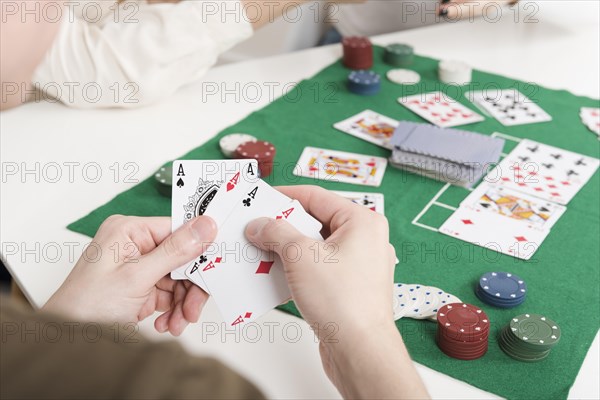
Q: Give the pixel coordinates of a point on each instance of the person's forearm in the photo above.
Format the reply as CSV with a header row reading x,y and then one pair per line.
x,y
373,365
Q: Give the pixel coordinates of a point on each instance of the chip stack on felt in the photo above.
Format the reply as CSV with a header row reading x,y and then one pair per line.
x,y
529,337
463,331
501,289
419,301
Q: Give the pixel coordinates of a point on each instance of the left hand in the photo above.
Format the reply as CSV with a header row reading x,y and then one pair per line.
x,y
122,275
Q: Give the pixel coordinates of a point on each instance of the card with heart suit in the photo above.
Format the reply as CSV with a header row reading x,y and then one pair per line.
x,y
339,166
509,106
373,201
440,109
245,281
494,231
544,171
516,205
196,184
370,126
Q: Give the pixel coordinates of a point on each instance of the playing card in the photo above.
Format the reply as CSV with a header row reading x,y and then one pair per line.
x,y
339,166
516,205
509,106
591,118
196,184
495,232
544,171
373,201
370,126
244,280
440,109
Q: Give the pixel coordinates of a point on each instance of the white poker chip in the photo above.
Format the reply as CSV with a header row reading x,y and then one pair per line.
x,y
430,304
403,76
444,298
409,299
231,142
454,72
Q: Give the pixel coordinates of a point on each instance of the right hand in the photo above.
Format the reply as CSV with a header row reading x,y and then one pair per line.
x,y
347,279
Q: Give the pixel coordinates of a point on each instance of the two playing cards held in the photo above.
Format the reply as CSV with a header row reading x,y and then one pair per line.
x,y
244,280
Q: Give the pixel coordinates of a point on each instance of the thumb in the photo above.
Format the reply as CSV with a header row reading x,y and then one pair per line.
x,y
274,235
181,247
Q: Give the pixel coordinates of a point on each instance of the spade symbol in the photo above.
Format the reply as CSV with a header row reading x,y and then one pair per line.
x,y
544,209
485,205
180,183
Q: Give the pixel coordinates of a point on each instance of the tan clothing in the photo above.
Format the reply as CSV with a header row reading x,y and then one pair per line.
x,y
43,356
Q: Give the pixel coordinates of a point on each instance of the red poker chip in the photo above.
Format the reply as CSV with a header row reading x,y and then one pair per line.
x,y
358,52
467,357
261,151
462,320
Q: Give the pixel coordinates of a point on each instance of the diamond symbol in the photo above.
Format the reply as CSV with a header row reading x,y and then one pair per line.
x,y
521,238
264,267
467,222
248,315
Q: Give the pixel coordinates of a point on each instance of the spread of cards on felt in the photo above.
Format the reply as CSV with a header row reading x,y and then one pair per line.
x,y
514,208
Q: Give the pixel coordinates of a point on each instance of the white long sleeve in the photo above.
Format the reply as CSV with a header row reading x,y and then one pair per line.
x,y
129,64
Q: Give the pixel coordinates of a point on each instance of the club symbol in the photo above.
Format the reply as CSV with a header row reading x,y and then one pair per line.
x,y
524,158
202,259
246,202
548,165
533,149
556,156
571,172
580,162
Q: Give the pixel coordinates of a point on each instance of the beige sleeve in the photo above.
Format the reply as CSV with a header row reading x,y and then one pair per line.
x,y
43,356
138,54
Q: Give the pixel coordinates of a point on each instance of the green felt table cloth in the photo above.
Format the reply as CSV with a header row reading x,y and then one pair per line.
x,y
562,277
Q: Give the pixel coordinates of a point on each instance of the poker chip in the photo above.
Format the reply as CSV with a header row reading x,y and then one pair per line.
x,y
230,143
163,178
261,151
529,337
454,72
364,82
462,331
403,76
358,52
501,289
419,301
399,55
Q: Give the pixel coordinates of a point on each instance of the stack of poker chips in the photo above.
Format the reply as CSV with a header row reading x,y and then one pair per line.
x,y
261,151
450,155
229,143
163,178
399,55
364,82
358,52
529,337
462,331
454,72
419,301
501,289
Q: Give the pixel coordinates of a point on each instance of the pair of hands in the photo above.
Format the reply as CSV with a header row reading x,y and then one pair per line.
x,y
123,276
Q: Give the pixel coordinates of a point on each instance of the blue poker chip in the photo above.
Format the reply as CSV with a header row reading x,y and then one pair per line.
x,y
501,289
364,82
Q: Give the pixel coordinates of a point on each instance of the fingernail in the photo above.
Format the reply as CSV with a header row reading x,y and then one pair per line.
x,y
204,228
254,227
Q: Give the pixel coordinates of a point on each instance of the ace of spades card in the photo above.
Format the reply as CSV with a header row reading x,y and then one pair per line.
x,y
544,171
196,185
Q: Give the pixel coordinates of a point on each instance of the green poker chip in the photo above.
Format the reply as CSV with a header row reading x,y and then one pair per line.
x,y
398,54
535,330
163,178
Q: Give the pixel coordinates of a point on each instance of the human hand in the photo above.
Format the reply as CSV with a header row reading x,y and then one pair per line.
x,y
327,278
343,289
122,276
